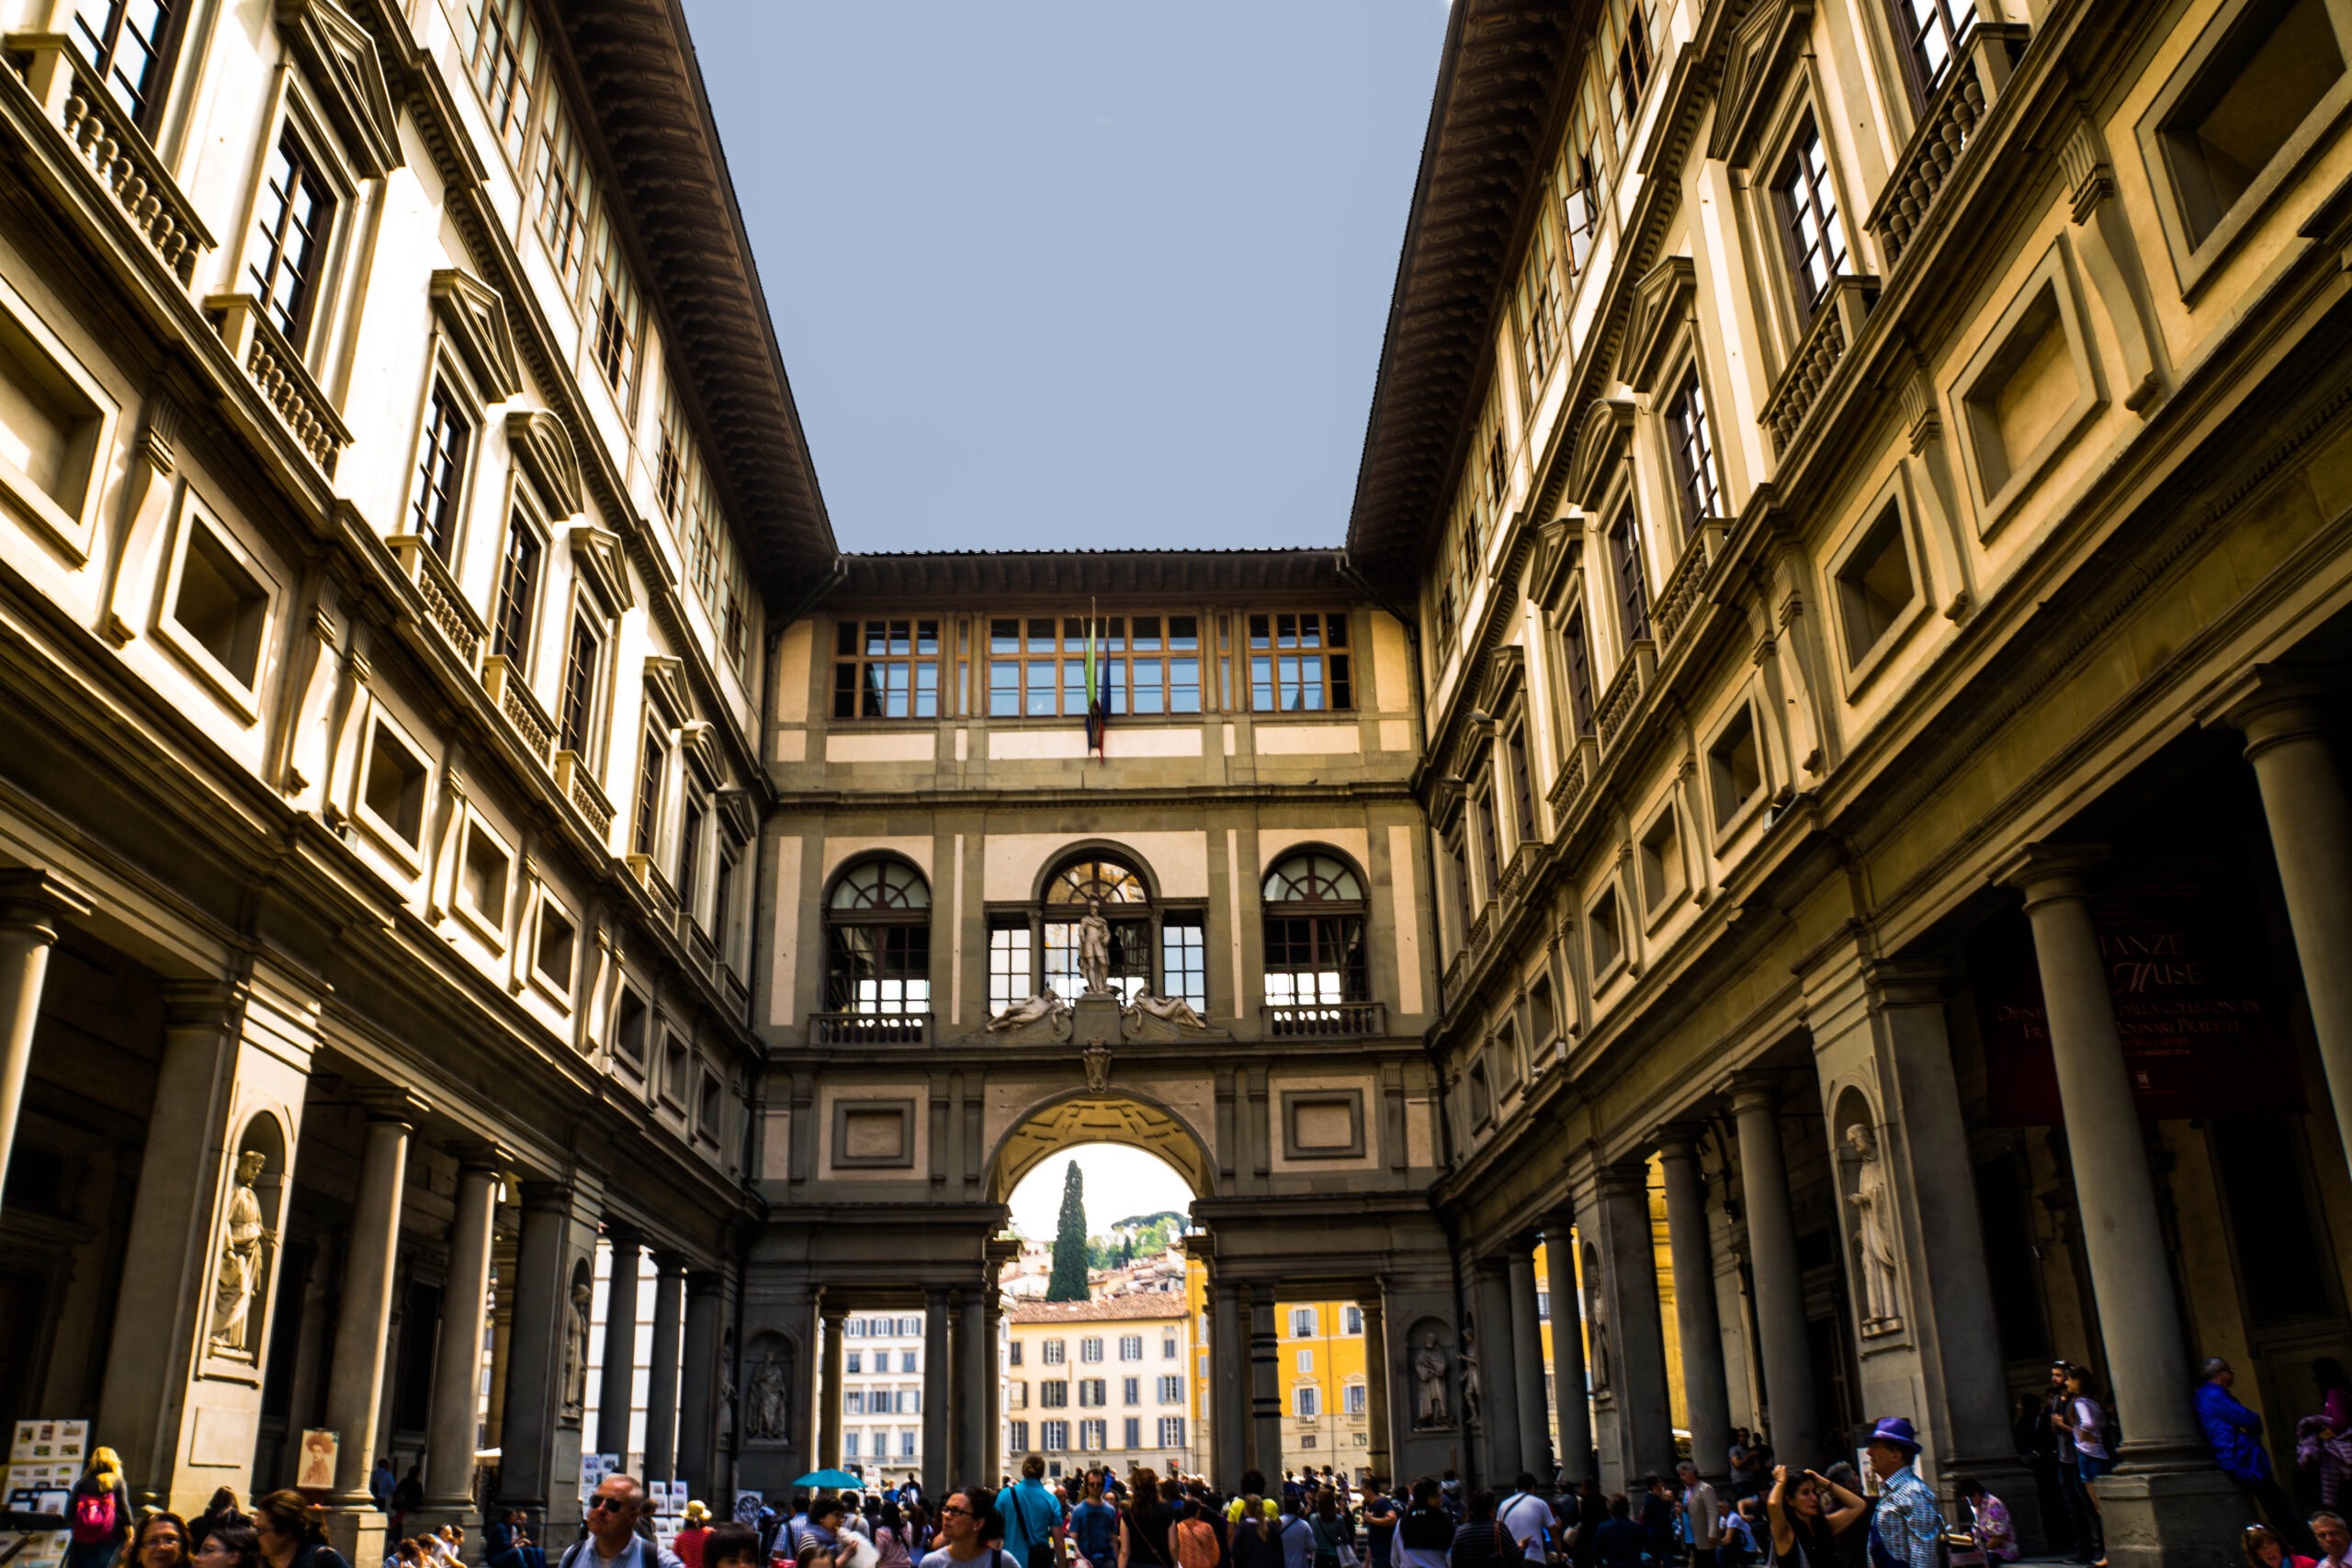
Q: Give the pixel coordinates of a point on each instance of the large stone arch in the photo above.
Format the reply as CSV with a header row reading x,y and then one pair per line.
x,y
1106,1116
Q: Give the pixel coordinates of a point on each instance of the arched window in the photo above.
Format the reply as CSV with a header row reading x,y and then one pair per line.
x,y
878,944
1141,933
1315,910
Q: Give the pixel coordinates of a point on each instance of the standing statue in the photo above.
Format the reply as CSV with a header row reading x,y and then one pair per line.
x,y
575,1351
726,1390
1471,1392
1429,1370
1873,1227
1095,950
243,1237
1597,1325
763,1420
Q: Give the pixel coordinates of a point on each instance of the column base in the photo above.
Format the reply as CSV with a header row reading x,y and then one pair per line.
x,y
2167,1512
357,1531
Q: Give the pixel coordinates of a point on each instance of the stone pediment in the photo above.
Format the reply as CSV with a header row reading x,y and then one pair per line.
x,y
1662,306
1761,49
340,60
474,317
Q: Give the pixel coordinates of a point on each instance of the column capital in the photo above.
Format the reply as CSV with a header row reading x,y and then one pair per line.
x,y
624,1236
1558,1230
2270,703
1678,1140
34,897
481,1157
1622,1178
1906,982
386,1102
1753,1091
832,1314
667,1263
2046,871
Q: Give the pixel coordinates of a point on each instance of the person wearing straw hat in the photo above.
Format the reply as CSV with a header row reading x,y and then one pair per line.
x,y
1906,1528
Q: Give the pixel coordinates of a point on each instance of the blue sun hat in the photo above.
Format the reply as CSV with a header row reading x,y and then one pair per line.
x,y
1897,1430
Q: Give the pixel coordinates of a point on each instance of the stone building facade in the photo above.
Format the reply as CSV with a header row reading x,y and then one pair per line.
x,y
1867,483
1825,723
392,506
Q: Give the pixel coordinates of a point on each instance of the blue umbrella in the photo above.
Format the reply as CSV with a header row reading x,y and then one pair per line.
x,y
839,1480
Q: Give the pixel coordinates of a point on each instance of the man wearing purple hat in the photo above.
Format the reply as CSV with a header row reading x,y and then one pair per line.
x,y
1906,1528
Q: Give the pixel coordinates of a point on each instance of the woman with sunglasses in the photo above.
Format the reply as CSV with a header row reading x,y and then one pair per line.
x,y
968,1524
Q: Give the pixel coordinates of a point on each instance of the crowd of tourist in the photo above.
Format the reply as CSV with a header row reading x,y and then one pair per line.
x,y
1767,1514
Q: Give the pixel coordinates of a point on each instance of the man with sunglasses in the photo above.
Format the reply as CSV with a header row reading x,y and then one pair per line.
x,y
613,1541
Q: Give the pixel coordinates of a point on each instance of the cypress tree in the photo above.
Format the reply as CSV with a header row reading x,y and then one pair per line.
x,y
1069,1281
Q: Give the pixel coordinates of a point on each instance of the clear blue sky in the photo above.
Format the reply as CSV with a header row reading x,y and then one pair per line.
x,y
1077,273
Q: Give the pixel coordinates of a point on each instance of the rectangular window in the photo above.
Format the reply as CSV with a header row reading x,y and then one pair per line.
x,y
907,1444
1353,1399
1523,796
1133,1431
1131,1390
1633,595
1694,451
690,857
291,231
1816,237
853,1402
1093,1393
561,194
1171,1391
1145,665
1306,1401
1090,1349
1131,1346
440,471
1168,1347
1056,1435
1183,960
1540,312
584,662
1171,1431
1093,1435
1302,1322
1017,1434
124,39
1933,33
1011,969
617,315
1298,663
518,587
503,55
1306,1360
650,768
1054,1394
1053,1349
1577,648
853,1361
886,669
1013,1354
849,1439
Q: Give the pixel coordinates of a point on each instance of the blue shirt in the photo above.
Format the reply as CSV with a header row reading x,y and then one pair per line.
x,y
2234,1433
1298,1542
1030,1514
1906,1528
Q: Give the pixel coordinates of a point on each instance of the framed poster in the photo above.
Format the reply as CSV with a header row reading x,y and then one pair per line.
x,y
316,1471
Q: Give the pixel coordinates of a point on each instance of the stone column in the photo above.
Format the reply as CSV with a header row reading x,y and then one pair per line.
x,y
356,1374
992,1358
971,1388
2311,832
546,1366
1527,1365
1701,1332
1229,1399
1782,1344
832,1315
661,1380
616,1389
936,1474
457,1363
1265,1385
1567,1351
1640,1438
698,1384
2169,1502
30,903
1375,1385
1497,1453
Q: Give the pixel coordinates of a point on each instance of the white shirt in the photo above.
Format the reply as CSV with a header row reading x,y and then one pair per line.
x,y
1527,1519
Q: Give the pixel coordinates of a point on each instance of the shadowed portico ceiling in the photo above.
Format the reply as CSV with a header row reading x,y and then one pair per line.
x,y
638,63
1501,84
1107,1120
